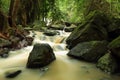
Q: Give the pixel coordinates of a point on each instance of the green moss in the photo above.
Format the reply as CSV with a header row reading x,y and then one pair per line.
x,y
107,63
115,43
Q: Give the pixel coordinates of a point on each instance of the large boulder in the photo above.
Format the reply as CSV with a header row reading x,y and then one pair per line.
x,y
114,46
91,29
89,51
107,63
41,55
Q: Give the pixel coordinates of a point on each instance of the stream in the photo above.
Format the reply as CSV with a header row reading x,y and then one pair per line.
x,y
63,68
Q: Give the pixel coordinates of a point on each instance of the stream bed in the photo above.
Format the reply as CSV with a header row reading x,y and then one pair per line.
x,y
63,68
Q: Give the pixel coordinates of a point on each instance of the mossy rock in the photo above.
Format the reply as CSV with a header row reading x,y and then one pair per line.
x,y
89,51
86,32
107,63
114,46
98,18
92,28
115,24
114,29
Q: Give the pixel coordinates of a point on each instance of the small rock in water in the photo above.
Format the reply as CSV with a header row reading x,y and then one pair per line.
x,y
4,55
44,69
51,33
13,74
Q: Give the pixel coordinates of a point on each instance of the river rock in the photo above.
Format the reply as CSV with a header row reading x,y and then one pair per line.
x,y
107,63
114,47
51,32
15,40
12,74
4,52
91,29
40,56
68,24
29,40
57,27
70,28
4,43
89,51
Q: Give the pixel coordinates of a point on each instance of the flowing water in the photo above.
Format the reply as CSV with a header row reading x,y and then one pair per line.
x,y
63,68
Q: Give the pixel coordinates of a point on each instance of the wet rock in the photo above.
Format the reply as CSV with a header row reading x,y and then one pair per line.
x,y
91,29
4,52
12,74
57,27
67,24
107,63
70,28
15,41
4,43
40,56
114,47
89,51
4,55
29,40
51,32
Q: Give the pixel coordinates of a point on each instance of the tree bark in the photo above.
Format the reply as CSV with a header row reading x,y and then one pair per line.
x,y
13,10
3,24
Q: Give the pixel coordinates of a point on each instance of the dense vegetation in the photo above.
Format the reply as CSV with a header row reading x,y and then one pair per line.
x,y
27,12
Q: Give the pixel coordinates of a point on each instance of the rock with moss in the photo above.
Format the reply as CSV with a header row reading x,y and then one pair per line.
x,y
114,46
107,63
91,29
99,18
40,56
114,28
89,51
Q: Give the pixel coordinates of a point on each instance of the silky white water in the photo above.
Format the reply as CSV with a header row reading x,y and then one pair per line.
x,y
63,68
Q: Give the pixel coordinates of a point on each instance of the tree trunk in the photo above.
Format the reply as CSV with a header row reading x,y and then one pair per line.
x,y
13,10
3,24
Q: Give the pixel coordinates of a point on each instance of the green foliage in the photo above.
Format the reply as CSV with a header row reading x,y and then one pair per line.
x,y
4,5
115,43
115,7
72,10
